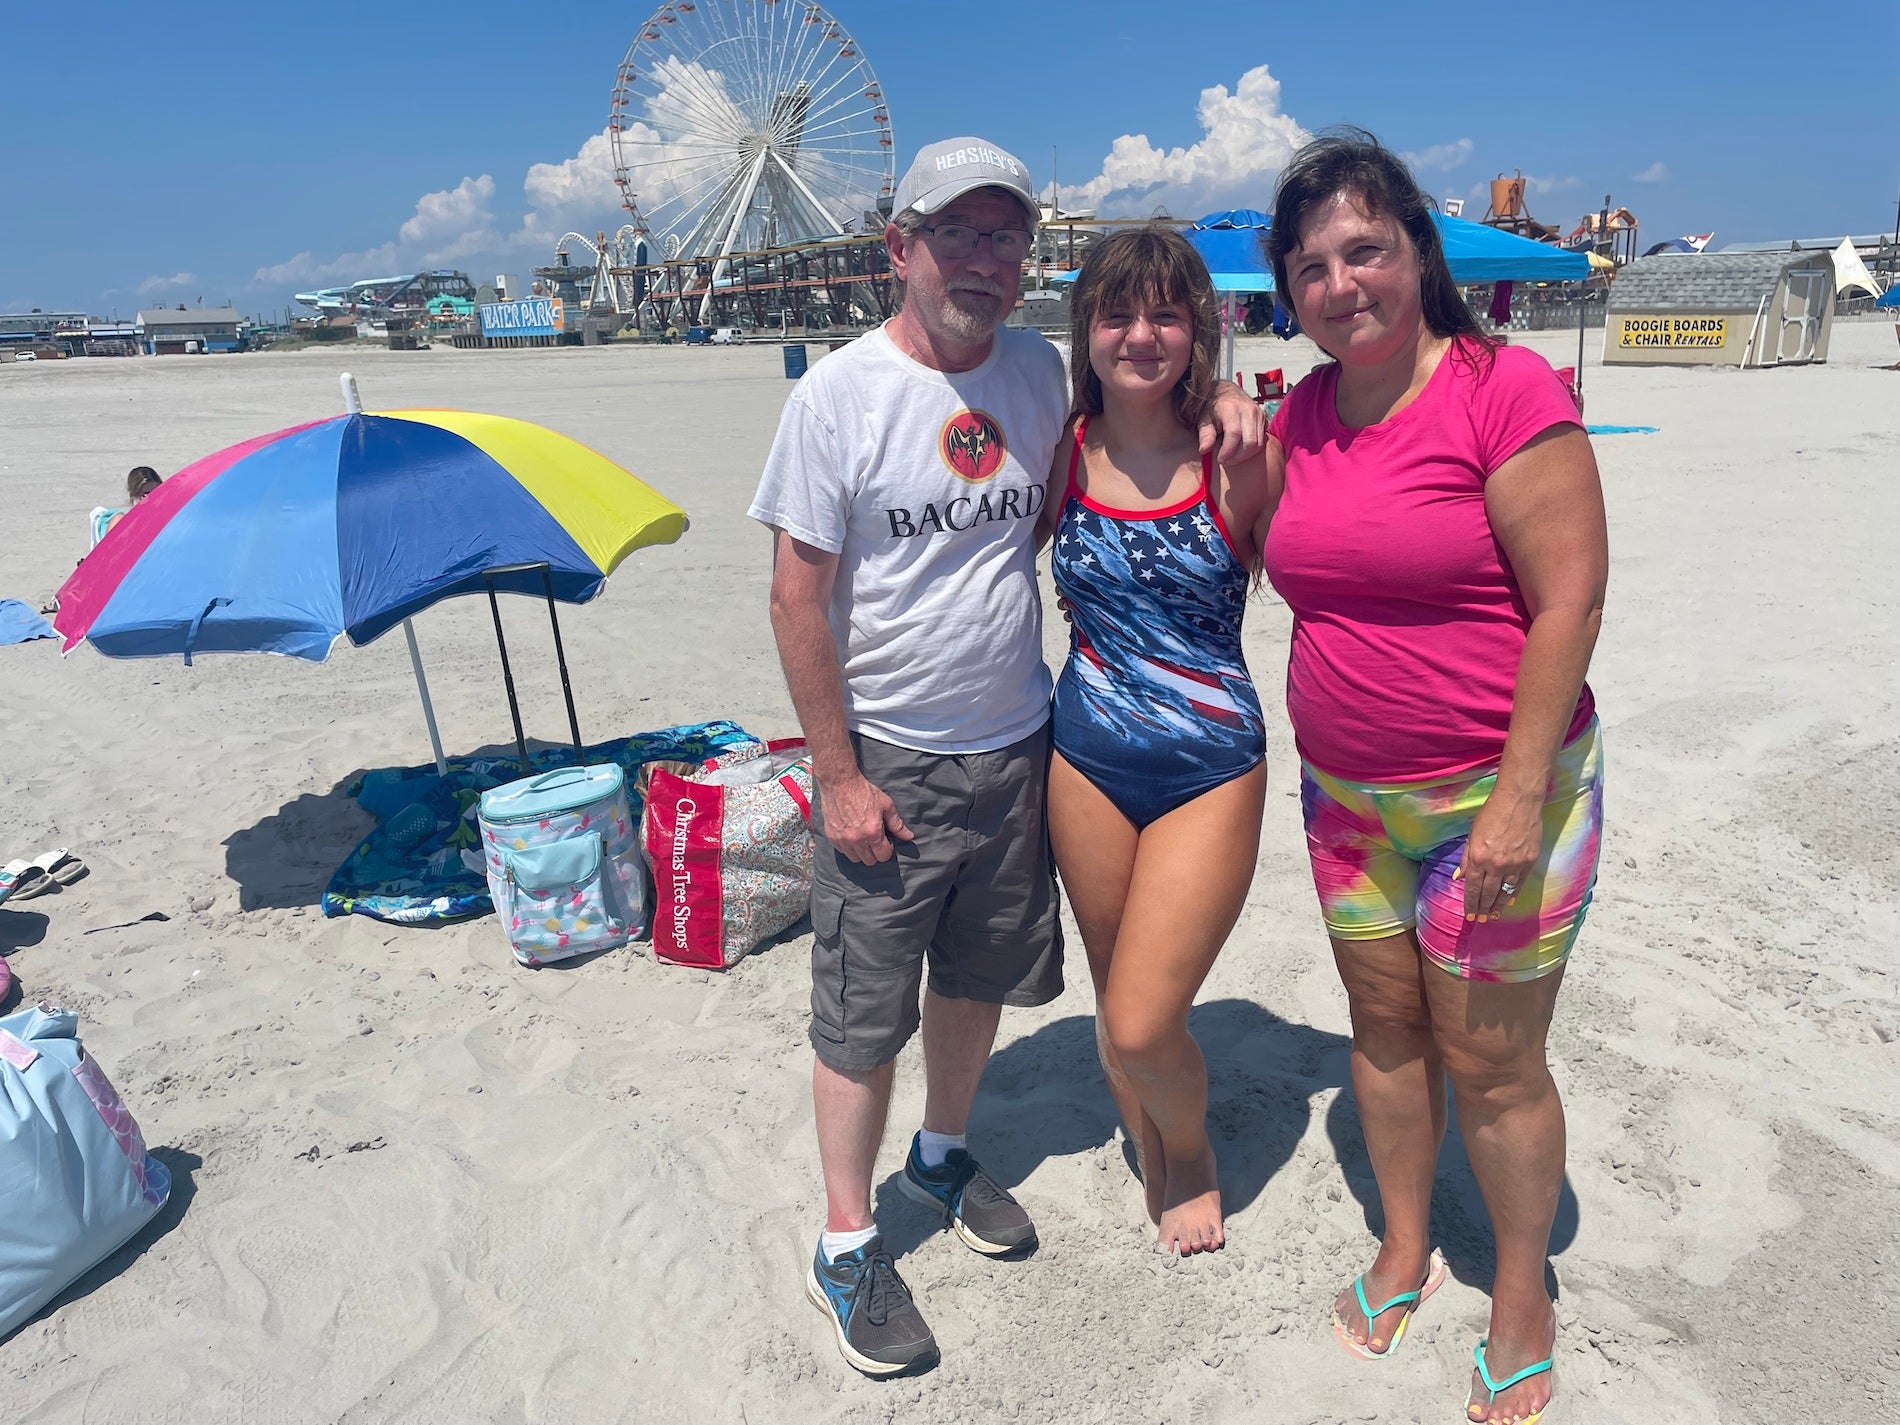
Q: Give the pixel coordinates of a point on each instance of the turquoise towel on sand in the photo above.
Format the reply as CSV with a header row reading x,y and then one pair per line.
x,y
19,624
410,871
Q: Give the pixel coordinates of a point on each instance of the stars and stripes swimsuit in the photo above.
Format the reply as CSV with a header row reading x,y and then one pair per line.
x,y
1155,705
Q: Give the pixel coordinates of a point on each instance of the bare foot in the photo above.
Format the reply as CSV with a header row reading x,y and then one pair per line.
x,y
1150,1167
1391,1273
1190,1210
1512,1345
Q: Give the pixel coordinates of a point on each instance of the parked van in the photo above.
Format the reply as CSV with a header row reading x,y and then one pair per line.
x,y
726,336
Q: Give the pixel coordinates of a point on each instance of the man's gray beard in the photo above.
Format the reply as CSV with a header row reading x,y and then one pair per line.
x,y
967,325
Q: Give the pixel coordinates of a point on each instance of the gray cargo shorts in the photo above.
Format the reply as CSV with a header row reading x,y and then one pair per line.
x,y
973,896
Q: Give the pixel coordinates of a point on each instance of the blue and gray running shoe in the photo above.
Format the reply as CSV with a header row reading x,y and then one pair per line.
x,y
880,1330
983,1214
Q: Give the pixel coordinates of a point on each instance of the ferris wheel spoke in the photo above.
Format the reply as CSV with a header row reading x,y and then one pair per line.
x,y
834,133
703,184
848,91
809,80
697,88
681,153
692,102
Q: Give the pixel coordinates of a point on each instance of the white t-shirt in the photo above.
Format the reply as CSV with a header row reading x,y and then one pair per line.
x,y
927,485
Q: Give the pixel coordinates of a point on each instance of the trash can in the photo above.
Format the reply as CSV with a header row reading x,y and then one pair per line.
x,y
794,362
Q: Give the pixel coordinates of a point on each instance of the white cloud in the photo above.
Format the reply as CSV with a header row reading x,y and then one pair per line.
x,y
1246,141
1657,172
1442,156
449,224
452,213
156,283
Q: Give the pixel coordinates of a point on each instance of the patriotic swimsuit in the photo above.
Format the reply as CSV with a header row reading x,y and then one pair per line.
x,y
1155,705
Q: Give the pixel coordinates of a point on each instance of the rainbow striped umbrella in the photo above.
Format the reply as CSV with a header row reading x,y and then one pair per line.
x,y
345,527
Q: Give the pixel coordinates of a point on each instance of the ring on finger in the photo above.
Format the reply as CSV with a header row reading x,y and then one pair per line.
x,y
1508,887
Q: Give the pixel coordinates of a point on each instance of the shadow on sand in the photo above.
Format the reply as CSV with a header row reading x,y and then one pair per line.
x,y
288,857
1043,1097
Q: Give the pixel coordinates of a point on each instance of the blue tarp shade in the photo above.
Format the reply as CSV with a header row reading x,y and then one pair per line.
x,y
1475,252
1229,243
1890,297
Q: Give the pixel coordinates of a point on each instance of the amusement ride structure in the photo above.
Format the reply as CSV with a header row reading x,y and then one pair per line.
x,y
740,129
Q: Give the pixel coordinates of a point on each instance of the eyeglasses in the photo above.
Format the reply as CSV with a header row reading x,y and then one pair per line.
x,y
954,241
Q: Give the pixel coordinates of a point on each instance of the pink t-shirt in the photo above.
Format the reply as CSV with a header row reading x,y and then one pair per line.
x,y
1407,621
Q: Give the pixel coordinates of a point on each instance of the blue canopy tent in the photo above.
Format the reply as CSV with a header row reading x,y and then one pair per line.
x,y
1230,244
1890,297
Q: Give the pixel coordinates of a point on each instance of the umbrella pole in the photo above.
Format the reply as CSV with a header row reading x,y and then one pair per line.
x,y
560,657
1583,293
508,677
1227,302
428,708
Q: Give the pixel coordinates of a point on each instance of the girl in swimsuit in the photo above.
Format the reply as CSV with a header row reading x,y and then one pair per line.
x,y
1159,774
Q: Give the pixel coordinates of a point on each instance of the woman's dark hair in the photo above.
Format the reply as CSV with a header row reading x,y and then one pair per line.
x,y
139,477
1152,264
1351,162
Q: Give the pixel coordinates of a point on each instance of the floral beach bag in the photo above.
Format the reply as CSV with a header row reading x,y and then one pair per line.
x,y
731,850
563,866
75,1179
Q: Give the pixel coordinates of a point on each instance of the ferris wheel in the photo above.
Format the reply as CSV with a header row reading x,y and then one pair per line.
x,y
738,125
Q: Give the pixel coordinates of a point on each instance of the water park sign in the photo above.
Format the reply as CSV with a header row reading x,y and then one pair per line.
x,y
1671,333
532,316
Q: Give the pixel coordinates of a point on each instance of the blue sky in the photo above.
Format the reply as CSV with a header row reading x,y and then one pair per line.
x,y
246,151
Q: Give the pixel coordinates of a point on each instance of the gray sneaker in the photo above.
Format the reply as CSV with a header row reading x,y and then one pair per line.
x,y
983,1214
879,1328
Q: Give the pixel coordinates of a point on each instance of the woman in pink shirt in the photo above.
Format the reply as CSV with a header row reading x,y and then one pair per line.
x,y
1441,544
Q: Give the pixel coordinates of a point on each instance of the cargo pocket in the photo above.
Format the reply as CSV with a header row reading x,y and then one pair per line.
x,y
827,964
560,902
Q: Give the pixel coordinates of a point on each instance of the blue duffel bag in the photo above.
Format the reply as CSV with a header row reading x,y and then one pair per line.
x,y
75,1179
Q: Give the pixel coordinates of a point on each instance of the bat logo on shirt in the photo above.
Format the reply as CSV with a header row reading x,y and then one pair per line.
x,y
972,445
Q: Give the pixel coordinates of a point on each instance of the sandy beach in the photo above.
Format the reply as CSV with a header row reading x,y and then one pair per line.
x,y
417,1183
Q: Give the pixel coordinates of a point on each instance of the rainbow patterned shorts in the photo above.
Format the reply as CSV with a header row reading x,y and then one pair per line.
x,y
1383,856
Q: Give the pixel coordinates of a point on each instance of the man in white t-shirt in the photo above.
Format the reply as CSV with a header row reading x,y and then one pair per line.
x,y
903,489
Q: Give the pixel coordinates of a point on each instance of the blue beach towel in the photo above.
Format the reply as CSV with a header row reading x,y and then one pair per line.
x,y
410,871
1622,430
19,624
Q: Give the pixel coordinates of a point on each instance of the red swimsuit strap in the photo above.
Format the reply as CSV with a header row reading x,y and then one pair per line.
x,y
1075,454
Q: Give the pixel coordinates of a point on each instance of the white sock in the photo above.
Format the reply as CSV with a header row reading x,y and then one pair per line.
x,y
835,1244
933,1148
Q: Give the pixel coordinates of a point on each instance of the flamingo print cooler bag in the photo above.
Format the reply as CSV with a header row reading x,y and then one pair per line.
x,y
563,861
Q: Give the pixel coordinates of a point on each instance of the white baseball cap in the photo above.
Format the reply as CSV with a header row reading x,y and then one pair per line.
x,y
943,172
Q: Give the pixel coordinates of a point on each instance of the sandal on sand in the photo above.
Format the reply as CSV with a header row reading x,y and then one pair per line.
x,y
1494,1386
1411,1300
67,869
24,879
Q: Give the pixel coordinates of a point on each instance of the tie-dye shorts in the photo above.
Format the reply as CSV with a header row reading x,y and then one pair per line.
x,y
1383,857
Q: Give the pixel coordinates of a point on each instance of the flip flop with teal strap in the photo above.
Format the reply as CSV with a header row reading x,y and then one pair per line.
x,y
1494,1386
1411,1300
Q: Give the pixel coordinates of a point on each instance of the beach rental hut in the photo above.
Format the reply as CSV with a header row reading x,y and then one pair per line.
x,y
1721,309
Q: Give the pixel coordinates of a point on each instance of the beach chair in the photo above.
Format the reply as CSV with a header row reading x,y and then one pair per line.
x,y
101,520
1269,386
1568,375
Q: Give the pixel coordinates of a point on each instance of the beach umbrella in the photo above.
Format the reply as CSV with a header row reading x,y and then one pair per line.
x,y
345,527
